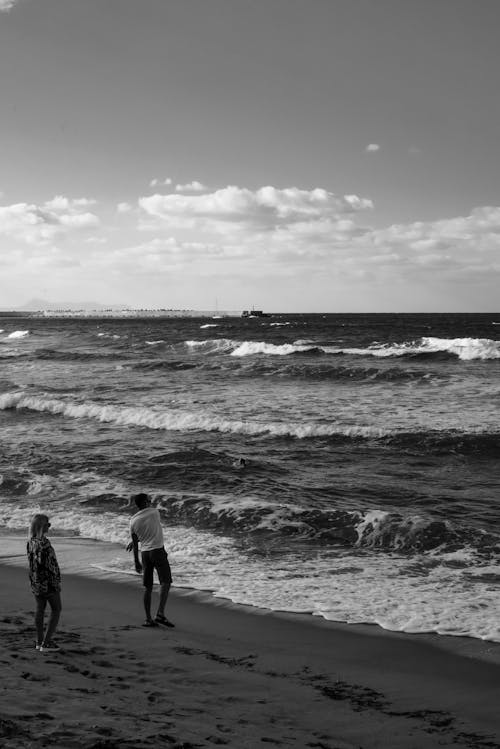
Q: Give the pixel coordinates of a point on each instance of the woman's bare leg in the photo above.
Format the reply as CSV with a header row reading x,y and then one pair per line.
x,y
41,602
54,600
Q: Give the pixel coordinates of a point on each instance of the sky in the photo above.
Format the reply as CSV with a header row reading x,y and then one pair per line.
x,y
287,155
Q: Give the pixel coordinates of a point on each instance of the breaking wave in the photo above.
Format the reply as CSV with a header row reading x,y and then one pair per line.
x,y
466,349
257,520
212,345
435,441
178,420
379,529
17,334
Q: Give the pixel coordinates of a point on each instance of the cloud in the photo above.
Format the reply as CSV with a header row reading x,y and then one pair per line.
x,y
452,247
156,182
194,186
234,208
372,148
42,224
310,236
315,231
6,5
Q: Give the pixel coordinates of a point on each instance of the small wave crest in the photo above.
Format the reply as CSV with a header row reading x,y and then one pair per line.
x,y
364,529
212,345
466,349
189,421
250,348
178,420
17,334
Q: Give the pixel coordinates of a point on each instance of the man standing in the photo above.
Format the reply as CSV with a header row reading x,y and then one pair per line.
x,y
145,528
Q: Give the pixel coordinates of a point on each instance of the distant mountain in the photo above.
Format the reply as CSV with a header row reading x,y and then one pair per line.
x,y
36,305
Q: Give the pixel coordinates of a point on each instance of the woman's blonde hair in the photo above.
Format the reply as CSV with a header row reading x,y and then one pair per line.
x,y
37,525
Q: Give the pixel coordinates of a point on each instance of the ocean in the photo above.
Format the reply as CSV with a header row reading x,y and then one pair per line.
x,y
372,445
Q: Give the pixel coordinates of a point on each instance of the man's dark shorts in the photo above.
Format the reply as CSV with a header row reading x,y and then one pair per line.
x,y
156,559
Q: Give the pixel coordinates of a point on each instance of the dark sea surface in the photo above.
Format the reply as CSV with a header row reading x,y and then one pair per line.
x,y
371,491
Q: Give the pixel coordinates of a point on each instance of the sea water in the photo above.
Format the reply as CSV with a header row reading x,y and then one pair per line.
x,y
372,443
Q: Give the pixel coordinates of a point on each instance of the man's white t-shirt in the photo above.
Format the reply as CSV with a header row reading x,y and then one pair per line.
x,y
146,525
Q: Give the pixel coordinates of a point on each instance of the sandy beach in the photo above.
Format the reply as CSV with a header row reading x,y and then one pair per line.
x,y
231,675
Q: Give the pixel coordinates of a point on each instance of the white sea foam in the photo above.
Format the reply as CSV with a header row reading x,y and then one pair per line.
x,y
18,334
178,420
465,348
212,345
154,343
357,587
249,348
378,528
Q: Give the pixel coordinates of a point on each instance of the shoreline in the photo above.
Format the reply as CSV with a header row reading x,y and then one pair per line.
x,y
80,565
289,680
230,674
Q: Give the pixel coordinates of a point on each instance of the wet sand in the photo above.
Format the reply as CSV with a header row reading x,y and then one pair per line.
x,y
233,676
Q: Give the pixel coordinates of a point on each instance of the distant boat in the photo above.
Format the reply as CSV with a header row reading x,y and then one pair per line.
x,y
254,313
216,315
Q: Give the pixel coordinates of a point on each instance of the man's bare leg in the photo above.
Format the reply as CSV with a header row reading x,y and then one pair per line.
x,y
147,603
164,590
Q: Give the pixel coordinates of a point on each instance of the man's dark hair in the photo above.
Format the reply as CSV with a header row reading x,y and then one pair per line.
x,y
140,499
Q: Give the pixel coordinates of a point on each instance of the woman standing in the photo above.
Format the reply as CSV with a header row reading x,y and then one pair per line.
x,y
45,579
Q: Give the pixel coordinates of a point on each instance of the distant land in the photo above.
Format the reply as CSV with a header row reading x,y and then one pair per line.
x,y
43,308
38,305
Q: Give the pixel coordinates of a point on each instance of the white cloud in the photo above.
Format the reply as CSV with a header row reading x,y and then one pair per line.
x,y
235,208
372,148
453,247
156,182
194,186
6,5
235,233
41,224
316,231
